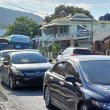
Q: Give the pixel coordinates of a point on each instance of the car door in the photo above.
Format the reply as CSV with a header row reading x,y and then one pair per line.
x,y
56,78
69,94
5,68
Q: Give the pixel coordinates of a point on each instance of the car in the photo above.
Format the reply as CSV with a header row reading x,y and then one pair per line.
x,y
24,69
73,51
34,50
78,83
3,54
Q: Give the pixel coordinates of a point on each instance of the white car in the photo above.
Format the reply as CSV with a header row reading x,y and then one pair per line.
x,y
73,51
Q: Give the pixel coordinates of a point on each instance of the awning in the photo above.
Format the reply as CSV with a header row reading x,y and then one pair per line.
x,y
77,38
57,24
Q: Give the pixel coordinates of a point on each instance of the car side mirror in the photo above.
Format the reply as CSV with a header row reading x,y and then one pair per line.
x,y
50,60
70,79
59,53
6,62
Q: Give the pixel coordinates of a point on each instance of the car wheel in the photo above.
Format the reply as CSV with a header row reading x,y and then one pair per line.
x,y
47,97
11,83
1,80
83,107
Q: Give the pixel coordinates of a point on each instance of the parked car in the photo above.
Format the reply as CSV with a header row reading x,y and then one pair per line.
x,y
73,51
3,54
24,69
79,83
34,50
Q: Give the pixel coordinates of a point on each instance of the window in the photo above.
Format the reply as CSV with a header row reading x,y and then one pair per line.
x,y
7,58
103,24
70,70
59,68
64,52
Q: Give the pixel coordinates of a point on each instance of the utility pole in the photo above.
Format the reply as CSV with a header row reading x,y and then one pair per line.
x,y
38,38
91,33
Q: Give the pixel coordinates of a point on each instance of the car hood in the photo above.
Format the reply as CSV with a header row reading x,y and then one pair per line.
x,y
32,66
101,92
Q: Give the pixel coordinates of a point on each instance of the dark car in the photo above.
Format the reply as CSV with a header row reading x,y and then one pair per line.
x,y
24,69
73,51
79,83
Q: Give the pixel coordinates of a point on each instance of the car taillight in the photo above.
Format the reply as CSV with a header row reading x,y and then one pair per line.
x,y
73,54
83,49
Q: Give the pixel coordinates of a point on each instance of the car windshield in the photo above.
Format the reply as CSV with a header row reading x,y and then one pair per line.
x,y
82,52
4,53
97,72
28,58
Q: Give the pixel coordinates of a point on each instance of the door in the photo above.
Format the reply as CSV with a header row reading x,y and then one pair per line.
x,y
69,94
56,78
5,69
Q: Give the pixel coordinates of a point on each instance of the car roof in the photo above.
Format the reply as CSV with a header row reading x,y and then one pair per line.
x,y
31,50
8,50
22,52
87,58
77,48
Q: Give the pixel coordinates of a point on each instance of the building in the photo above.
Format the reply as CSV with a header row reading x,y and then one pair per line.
x,y
79,31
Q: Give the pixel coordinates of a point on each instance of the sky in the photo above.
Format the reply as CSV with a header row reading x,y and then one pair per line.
x,y
46,7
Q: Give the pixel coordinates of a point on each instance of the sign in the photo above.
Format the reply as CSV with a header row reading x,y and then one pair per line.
x,y
83,32
22,40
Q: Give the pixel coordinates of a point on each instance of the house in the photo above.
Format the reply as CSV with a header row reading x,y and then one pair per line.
x,y
79,31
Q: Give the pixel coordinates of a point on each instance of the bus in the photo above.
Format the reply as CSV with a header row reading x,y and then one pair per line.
x,y
4,44
18,42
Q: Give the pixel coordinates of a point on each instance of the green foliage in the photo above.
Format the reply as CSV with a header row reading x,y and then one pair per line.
x,y
63,11
23,26
56,48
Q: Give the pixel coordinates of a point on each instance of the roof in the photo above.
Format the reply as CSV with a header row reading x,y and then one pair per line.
x,y
88,58
81,17
36,38
8,50
22,52
57,24
78,48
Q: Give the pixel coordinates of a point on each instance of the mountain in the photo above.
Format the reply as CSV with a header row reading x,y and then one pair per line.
x,y
8,16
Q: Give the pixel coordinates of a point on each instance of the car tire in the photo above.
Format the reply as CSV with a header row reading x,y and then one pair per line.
x,y
83,106
11,83
47,97
1,80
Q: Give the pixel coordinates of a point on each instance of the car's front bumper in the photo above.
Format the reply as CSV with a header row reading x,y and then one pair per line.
x,y
27,80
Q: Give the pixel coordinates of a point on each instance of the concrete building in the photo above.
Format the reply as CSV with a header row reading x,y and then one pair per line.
x,y
77,31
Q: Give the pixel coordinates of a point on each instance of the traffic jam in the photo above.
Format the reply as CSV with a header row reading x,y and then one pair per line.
x,y
77,81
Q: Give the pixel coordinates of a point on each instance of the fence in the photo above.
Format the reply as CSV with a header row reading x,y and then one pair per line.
x,y
104,52
50,55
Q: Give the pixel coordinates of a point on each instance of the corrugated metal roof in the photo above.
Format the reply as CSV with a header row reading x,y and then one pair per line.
x,y
57,24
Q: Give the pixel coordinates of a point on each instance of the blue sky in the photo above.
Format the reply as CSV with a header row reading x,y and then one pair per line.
x,y
96,7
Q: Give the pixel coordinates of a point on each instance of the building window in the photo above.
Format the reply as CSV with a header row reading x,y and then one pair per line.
x,y
103,24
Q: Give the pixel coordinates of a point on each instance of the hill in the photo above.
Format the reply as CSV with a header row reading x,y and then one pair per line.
x,y
7,16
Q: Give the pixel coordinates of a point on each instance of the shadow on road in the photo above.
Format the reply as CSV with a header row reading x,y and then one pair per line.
x,y
25,91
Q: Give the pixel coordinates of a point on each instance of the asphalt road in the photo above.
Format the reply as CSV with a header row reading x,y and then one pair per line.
x,y
25,98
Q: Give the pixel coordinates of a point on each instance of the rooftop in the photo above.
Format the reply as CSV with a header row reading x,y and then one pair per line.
x,y
88,58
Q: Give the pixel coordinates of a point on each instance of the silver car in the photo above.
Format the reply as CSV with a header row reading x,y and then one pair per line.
x,y
3,54
73,51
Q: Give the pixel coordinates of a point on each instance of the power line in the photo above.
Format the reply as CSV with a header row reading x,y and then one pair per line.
x,y
24,8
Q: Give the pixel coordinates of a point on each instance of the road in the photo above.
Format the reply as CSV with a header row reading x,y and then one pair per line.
x,y
25,98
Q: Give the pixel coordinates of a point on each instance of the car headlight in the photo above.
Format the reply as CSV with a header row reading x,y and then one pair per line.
x,y
17,72
101,104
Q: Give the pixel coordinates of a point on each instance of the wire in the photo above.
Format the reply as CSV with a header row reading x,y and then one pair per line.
x,y
24,8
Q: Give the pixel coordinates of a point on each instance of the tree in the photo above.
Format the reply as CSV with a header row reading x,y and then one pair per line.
x,y
23,26
56,48
63,11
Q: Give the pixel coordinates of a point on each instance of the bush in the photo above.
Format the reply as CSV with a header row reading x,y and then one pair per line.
x,y
56,48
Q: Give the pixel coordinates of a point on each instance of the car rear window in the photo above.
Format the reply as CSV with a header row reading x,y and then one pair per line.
x,y
82,52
